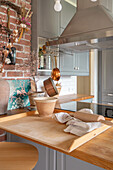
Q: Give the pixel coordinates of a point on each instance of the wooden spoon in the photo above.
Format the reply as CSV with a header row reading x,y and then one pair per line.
x,y
55,74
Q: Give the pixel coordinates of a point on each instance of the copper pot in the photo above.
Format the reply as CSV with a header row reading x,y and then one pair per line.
x,y
55,74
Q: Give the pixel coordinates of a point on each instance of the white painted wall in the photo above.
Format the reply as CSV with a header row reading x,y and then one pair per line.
x,y
68,83
94,75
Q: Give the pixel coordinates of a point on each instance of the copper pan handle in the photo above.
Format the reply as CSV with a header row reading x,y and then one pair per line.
x,y
52,62
55,61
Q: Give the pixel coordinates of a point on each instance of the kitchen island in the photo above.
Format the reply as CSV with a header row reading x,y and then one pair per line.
x,y
98,151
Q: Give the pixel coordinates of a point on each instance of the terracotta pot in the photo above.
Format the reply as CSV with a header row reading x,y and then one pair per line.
x,y
4,95
34,95
45,105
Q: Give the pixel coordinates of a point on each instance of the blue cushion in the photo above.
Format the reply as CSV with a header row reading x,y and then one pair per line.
x,y
19,93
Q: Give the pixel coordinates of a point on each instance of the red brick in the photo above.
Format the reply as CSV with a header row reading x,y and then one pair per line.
x,y
19,61
3,9
14,74
12,27
26,62
27,37
13,13
21,55
9,67
3,17
28,6
24,42
19,47
20,67
27,49
27,74
13,20
11,78
19,2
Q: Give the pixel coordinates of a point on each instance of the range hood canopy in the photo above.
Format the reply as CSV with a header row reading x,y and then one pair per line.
x,y
91,22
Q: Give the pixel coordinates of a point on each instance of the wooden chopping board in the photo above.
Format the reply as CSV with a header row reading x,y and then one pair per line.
x,y
46,131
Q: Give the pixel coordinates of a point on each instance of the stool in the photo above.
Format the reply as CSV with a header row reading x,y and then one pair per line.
x,y
17,156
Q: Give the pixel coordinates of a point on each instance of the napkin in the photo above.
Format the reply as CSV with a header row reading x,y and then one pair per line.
x,y
76,126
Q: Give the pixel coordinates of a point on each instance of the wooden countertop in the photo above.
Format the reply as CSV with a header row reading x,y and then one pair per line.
x,y
73,97
98,151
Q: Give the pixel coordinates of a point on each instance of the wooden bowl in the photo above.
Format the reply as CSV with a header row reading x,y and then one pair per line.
x,y
50,87
45,105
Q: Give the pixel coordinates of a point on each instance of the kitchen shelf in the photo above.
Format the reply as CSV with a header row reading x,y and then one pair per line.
x,y
44,70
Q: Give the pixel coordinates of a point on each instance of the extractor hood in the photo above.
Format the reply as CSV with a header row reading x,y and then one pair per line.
x,y
90,28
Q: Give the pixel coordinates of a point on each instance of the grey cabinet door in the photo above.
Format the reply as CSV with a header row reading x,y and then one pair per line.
x,y
75,65
67,64
66,162
107,76
83,63
49,19
76,164
107,71
66,14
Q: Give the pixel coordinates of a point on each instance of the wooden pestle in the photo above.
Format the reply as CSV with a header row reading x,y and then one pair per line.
x,y
87,117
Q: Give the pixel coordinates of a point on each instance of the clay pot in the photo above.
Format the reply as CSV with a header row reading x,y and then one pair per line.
x,y
45,105
34,95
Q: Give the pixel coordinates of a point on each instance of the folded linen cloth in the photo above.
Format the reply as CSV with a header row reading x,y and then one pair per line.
x,y
76,126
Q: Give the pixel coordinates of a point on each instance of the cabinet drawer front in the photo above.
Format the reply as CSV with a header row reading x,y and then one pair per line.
x,y
108,98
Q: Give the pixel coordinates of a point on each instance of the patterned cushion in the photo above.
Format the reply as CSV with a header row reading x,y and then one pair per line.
x,y
19,93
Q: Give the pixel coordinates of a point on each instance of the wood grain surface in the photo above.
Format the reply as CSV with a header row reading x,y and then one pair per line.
x,y
98,151
17,156
73,97
46,130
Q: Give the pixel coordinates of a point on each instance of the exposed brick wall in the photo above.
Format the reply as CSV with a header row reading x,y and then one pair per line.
x,y
22,51
22,48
